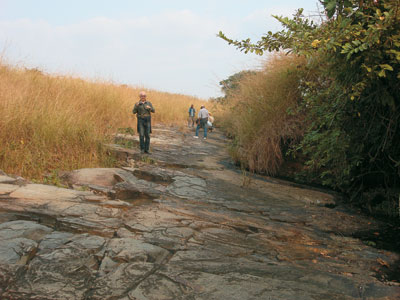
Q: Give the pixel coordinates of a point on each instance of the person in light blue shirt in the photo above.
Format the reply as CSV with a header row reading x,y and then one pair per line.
x,y
203,117
192,113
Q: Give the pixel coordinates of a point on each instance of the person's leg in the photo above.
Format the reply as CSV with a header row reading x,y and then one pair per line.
x,y
141,134
205,130
189,121
197,129
147,135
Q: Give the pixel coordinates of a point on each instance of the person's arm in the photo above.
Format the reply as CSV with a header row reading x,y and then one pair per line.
x,y
135,109
150,107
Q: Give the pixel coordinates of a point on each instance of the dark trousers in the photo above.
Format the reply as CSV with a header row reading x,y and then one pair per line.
x,y
202,124
144,128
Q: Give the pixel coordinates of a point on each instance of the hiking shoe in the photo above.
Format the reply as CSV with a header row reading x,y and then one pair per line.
x,y
196,137
204,138
148,152
141,151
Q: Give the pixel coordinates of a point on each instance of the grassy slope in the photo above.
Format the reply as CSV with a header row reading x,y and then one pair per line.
x,y
59,122
256,115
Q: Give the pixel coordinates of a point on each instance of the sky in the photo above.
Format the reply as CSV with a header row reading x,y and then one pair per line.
x,y
167,45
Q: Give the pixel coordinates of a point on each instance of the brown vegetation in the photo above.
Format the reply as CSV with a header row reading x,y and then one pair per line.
x,y
59,122
256,114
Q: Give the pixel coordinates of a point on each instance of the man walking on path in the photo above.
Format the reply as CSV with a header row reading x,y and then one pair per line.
x,y
203,117
143,110
192,112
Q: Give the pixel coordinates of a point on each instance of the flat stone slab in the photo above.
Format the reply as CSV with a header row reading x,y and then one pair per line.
x,y
180,224
7,179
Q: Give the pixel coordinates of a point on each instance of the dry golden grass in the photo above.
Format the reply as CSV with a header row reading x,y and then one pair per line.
x,y
59,122
256,115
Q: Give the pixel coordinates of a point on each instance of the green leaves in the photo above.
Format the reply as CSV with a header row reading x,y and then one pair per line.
x,y
350,91
330,7
383,69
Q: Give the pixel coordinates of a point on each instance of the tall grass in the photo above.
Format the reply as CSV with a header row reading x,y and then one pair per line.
x,y
257,114
59,122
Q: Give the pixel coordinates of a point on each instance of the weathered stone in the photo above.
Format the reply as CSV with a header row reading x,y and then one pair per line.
x,y
62,273
46,192
129,191
181,224
188,187
7,188
158,287
119,280
131,250
152,174
55,240
104,227
17,251
97,177
24,229
7,179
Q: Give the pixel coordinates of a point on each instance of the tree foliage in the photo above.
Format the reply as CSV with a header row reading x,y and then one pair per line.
x,y
231,84
350,91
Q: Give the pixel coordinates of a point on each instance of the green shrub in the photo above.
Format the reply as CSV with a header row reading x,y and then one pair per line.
x,y
350,90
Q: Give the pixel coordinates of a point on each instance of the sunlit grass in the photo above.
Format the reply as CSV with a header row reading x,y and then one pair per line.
x,y
256,114
52,123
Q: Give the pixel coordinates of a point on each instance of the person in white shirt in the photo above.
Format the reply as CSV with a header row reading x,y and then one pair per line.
x,y
203,117
210,122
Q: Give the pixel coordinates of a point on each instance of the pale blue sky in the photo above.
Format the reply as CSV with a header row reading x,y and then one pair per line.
x,y
165,45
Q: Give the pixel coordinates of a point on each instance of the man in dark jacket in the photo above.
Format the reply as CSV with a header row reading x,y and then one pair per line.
x,y
143,110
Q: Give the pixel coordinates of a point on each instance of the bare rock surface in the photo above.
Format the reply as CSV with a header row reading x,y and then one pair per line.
x,y
183,223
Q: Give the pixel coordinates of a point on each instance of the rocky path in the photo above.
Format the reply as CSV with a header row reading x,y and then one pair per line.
x,y
183,224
